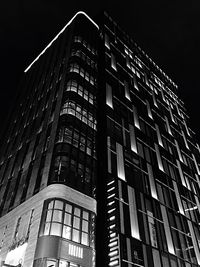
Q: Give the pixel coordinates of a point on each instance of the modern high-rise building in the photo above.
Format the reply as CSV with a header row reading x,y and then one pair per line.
x,y
99,166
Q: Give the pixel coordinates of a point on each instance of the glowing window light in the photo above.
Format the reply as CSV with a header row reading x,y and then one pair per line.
x,y
16,256
180,206
75,251
152,181
113,263
110,196
112,218
171,114
111,203
133,213
167,230
112,244
113,62
196,248
133,139
127,92
109,155
168,126
113,235
135,118
109,101
181,173
186,127
185,140
113,253
160,164
159,135
149,110
110,189
196,164
71,20
120,162
107,41
154,100
179,152
109,211
111,182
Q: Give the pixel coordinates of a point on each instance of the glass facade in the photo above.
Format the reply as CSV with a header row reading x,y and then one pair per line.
x,y
68,221
100,123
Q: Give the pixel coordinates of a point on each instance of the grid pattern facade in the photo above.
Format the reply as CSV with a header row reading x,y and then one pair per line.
x,y
98,117
152,182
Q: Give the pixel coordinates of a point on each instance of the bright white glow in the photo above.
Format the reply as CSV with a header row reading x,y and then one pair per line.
x,y
149,110
113,263
168,126
133,213
111,196
193,208
113,253
132,138
110,203
109,101
160,164
113,62
110,189
186,127
197,178
196,164
180,206
185,140
127,92
112,244
197,202
159,136
135,118
181,173
112,218
167,230
71,20
120,162
111,182
109,211
196,248
172,117
112,226
179,152
152,181
75,251
113,235
16,256
109,154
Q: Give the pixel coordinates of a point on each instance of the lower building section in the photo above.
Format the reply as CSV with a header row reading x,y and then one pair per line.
x,y
53,228
53,251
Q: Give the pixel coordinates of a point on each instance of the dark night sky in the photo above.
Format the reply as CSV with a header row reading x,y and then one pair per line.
x,y
168,31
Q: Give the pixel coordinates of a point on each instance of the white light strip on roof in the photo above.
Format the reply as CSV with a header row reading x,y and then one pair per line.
x,y
78,13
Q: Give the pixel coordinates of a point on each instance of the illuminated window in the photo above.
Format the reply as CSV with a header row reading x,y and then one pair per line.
x,y
74,67
79,39
109,101
83,56
69,221
107,41
152,229
72,108
73,86
113,62
127,91
120,162
76,138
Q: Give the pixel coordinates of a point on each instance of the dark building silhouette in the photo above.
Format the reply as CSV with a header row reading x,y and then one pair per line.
x,y
99,166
